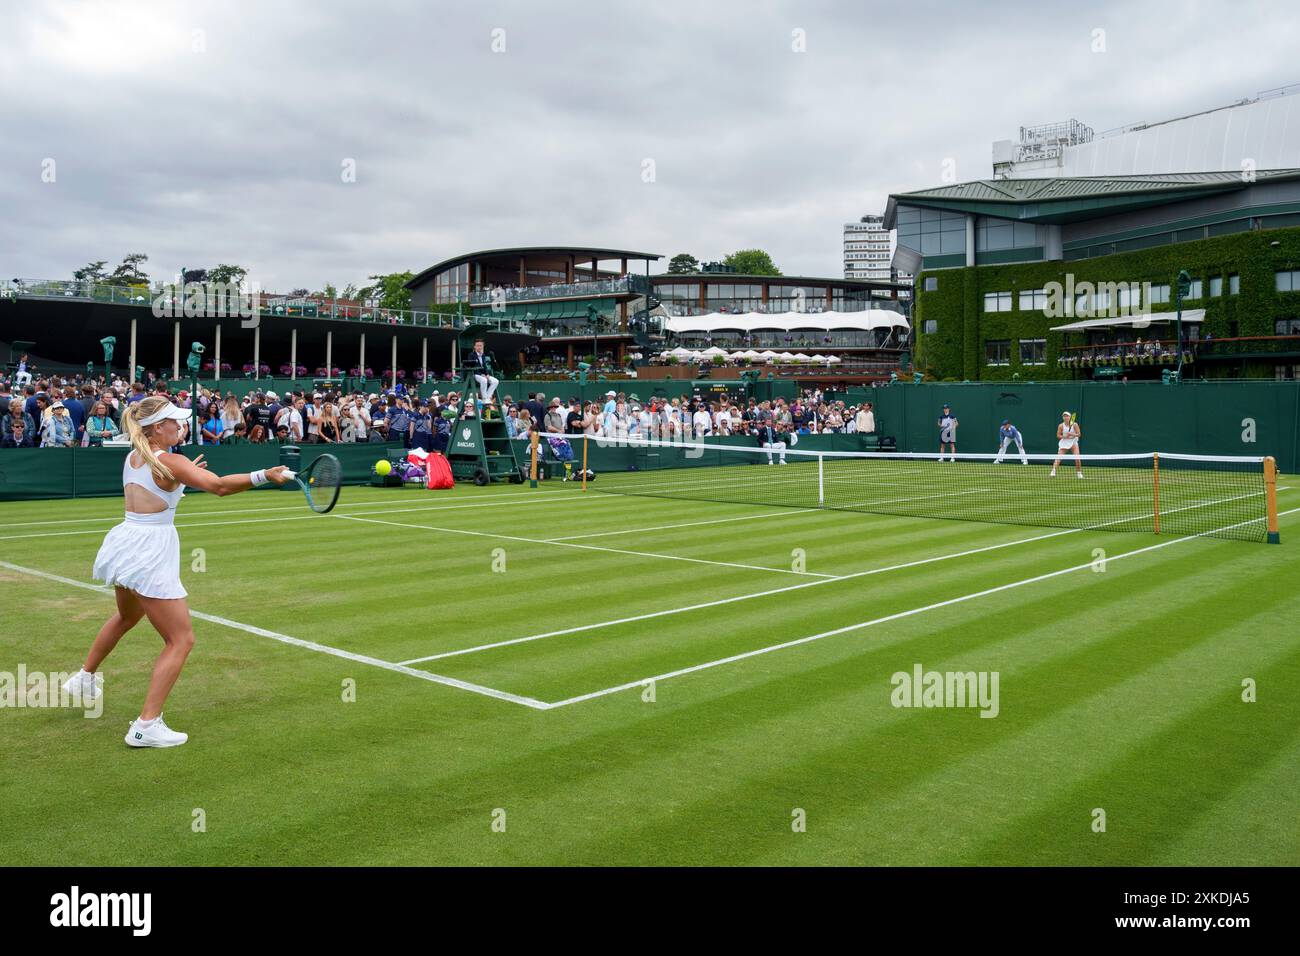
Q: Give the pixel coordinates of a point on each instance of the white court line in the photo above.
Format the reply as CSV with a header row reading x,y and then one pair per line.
x,y
740,597
584,547
792,587
687,524
307,517
228,512
535,704
880,620
308,645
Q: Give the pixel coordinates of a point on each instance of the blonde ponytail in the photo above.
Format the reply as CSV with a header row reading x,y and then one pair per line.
x,y
139,440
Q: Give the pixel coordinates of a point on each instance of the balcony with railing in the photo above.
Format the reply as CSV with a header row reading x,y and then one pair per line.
x,y
1156,352
624,285
216,305
678,308
1252,346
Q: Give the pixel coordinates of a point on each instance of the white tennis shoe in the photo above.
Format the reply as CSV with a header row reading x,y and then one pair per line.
x,y
156,734
84,686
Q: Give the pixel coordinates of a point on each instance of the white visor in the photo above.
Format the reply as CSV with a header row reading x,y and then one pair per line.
x,y
167,411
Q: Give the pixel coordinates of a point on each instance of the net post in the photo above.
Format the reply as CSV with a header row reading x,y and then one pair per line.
x,y
585,443
1270,498
532,458
821,483
1155,465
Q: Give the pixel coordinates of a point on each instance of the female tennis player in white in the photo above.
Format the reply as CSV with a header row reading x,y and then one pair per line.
x,y
141,557
1067,440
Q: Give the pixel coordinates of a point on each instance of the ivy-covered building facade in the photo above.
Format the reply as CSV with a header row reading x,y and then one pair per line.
x,y
1078,278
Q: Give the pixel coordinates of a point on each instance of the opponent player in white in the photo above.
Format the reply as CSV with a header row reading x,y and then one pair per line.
x,y
1009,433
948,432
1067,440
140,557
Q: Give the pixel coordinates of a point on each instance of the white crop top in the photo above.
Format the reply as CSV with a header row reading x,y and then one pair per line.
x,y
143,477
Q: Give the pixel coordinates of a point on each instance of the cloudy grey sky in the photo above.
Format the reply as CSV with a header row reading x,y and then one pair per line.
x,y
213,132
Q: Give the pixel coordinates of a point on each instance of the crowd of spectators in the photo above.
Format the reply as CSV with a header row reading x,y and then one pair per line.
x,y
58,412
621,415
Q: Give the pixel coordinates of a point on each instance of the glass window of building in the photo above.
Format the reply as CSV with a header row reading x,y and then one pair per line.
x,y
994,235
931,231
1033,351
997,302
931,283
1195,291
997,352
1234,284
1216,286
931,326
1288,281
1160,293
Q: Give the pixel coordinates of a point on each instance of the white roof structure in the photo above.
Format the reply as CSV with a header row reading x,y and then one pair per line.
x,y
1140,321
864,321
1262,132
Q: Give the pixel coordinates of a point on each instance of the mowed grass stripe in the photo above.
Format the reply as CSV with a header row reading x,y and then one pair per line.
x,y
629,587
410,774
843,773
574,664
687,749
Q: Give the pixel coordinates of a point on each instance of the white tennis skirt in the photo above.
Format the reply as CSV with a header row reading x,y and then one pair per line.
x,y
142,554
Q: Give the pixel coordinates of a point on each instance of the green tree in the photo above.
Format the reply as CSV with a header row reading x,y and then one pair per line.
x,y
129,272
349,291
91,272
389,289
683,263
225,273
752,262
329,292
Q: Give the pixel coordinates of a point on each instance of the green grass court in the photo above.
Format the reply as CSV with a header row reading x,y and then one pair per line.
x,y
501,638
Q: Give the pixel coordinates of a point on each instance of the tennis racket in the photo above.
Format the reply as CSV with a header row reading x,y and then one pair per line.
x,y
320,482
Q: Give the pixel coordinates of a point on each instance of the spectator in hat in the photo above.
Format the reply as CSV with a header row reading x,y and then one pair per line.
x,y
58,431
422,427
554,422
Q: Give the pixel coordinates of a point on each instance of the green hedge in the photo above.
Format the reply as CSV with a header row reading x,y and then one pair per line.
x,y
957,349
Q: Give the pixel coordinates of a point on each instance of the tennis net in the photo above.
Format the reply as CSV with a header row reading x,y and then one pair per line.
x,y
1174,494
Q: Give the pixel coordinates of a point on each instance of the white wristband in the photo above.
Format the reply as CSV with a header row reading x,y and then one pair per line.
x,y
258,478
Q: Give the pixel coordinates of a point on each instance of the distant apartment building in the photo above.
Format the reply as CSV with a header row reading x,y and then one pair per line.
x,y
866,249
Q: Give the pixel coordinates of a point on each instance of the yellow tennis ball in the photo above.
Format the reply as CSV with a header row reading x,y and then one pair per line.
x,y
383,467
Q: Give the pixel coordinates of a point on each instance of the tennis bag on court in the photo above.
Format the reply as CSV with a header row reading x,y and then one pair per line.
x,y
439,470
